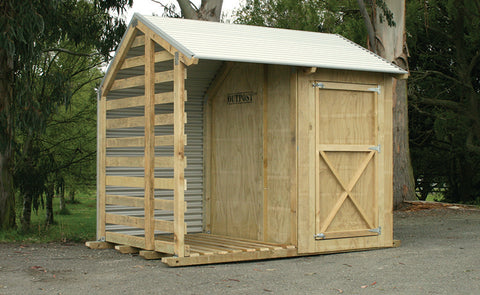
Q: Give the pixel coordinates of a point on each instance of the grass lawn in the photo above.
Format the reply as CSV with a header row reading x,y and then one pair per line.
x,y
78,226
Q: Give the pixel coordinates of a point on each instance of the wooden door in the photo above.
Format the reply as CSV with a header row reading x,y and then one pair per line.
x,y
346,199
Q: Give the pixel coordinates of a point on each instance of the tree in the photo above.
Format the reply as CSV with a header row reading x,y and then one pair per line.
x,y
387,38
445,96
29,31
209,10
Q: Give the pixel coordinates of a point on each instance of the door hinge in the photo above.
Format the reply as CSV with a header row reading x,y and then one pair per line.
x,y
318,85
375,148
376,89
377,230
320,236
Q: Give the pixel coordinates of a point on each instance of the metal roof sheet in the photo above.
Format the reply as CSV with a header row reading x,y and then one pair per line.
x,y
244,43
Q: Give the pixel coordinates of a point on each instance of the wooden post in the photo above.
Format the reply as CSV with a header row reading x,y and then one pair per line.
x,y
101,150
149,196
179,155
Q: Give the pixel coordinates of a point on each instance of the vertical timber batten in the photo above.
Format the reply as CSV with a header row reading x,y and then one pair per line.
x,y
149,143
101,150
179,155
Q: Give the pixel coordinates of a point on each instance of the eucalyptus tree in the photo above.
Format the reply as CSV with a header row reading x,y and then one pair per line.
x,y
29,31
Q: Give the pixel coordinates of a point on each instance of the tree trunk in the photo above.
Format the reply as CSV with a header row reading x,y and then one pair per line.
x,y
71,197
7,196
27,211
49,208
209,10
61,194
391,45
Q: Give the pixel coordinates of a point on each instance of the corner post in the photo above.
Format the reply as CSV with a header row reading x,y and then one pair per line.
x,y
179,155
101,165
149,195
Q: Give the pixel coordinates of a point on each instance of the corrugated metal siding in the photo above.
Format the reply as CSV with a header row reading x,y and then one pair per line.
x,y
242,43
199,78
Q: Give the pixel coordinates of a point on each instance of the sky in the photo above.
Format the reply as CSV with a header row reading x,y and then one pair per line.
x,y
147,7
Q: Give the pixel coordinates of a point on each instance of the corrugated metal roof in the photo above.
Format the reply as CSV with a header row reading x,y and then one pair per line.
x,y
242,43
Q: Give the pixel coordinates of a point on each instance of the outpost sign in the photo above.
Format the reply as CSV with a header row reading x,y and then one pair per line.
x,y
240,97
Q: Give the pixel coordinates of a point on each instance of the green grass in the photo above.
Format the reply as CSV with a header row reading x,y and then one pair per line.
x,y
78,226
435,197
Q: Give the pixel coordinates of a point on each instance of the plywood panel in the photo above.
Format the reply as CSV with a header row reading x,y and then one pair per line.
x,y
280,156
237,154
351,122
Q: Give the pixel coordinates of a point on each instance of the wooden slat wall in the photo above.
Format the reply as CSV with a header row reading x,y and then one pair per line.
x,y
177,97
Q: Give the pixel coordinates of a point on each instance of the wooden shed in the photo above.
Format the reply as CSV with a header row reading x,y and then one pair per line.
x,y
221,142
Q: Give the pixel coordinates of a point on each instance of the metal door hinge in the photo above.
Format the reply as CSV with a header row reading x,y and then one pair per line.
x,y
320,236
375,148
376,89
377,230
318,85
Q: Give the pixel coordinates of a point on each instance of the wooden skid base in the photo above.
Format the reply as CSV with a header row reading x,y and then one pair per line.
x,y
98,245
210,249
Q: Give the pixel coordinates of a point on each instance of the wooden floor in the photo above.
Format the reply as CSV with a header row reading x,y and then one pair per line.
x,y
207,249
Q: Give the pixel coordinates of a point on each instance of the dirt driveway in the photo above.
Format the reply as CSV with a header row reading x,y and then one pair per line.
x,y
440,254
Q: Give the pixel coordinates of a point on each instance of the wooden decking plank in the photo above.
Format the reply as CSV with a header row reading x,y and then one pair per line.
x,y
284,246
230,257
240,245
259,246
193,241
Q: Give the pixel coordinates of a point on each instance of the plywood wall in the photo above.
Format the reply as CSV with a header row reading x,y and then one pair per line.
x,y
237,154
252,150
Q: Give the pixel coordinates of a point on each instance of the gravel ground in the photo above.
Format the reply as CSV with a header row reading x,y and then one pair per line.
x,y
440,254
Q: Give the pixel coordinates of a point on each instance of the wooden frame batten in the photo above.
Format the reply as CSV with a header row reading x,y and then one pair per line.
x,y
179,155
149,194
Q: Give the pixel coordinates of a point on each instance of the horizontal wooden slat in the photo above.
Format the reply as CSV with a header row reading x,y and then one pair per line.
x,y
125,201
138,242
125,161
129,102
138,202
139,41
128,82
160,162
160,183
164,225
162,140
137,222
138,101
126,142
344,148
164,247
162,119
140,60
160,77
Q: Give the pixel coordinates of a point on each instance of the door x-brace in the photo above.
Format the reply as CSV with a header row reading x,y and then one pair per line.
x,y
347,193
